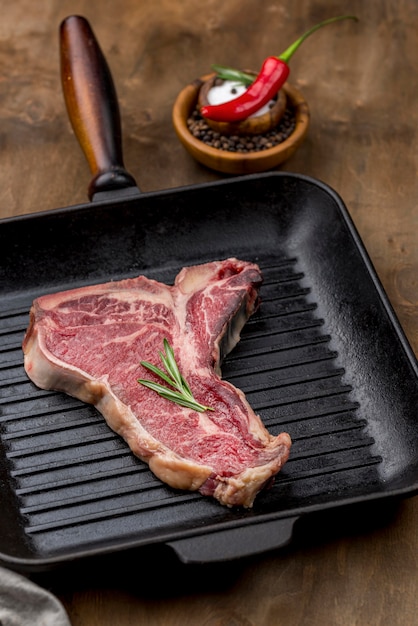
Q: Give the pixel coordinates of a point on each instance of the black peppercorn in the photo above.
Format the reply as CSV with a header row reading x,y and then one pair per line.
x,y
243,143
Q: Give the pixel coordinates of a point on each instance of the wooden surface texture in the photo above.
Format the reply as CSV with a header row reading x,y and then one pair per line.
x,y
361,81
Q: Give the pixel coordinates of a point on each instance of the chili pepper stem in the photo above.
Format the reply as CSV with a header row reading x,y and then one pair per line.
x,y
288,53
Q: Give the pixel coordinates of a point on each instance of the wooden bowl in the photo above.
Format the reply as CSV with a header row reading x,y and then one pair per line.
x,y
235,162
252,125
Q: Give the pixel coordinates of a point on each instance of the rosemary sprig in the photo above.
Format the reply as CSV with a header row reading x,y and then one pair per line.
x,y
229,73
182,394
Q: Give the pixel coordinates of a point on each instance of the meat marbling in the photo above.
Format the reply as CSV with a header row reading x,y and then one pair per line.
x,y
88,342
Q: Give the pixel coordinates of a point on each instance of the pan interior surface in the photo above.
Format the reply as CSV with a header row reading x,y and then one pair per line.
x,y
323,359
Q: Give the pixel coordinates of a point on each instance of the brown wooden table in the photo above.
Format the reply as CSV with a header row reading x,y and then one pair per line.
x,y
361,82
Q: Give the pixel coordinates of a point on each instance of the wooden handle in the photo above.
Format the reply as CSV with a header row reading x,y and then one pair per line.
x,y
92,105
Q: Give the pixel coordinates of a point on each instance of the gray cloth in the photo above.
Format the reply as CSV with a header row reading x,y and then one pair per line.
x,y
23,603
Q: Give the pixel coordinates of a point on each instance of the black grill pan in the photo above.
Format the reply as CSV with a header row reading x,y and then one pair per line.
x,y
324,359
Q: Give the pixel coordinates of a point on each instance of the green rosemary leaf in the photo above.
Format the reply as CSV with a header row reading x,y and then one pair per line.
x,y
160,389
174,396
158,372
186,387
172,368
229,73
156,386
170,364
183,395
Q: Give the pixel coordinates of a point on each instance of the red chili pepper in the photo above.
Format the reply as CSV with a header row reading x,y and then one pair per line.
x,y
270,79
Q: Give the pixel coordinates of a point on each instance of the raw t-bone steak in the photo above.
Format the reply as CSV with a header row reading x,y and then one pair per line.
x,y
89,343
